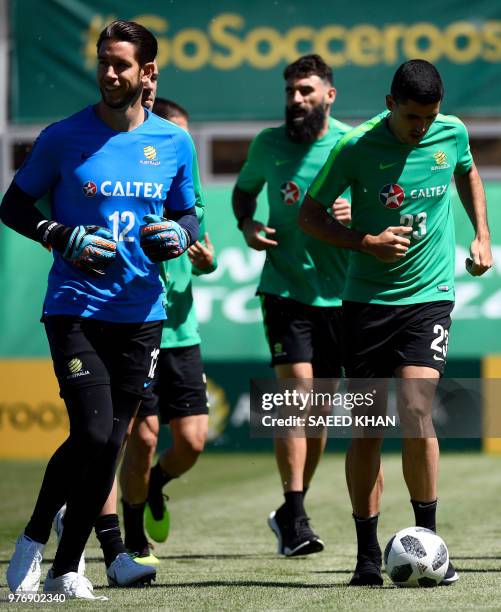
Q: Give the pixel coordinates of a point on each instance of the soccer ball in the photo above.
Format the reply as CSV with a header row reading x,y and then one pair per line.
x,y
416,557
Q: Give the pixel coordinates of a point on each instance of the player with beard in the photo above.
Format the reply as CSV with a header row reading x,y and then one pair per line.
x,y
111,171
301,282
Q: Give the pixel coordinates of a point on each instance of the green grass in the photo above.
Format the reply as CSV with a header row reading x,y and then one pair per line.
x,y
221,555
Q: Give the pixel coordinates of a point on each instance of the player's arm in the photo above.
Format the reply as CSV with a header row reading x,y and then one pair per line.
x,y
255,233
388,246
337,174
472,195
251,180
197,186
202,254
89,248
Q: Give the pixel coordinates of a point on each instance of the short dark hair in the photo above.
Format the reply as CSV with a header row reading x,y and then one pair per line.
x,y
308,65
168,109
130,31
417,80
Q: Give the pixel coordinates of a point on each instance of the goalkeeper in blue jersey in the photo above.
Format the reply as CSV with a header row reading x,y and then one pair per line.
x,y
112,173
178,397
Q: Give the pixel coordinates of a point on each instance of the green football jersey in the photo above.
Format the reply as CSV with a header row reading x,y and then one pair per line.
x,y
300,267
396,184
181,327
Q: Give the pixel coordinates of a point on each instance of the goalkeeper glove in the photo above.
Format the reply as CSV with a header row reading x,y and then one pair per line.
x,y
88,247
162,239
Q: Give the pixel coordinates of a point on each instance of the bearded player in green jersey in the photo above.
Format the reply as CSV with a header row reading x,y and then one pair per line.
x,y
301,282
399,292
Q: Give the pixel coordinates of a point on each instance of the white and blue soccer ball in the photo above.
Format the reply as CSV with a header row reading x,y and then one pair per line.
x,y
416,557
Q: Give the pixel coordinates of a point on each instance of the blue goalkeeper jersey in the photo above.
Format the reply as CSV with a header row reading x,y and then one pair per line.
x,y
97,176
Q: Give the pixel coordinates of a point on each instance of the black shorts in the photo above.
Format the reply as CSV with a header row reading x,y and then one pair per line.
x,y
299,333
87,352
180,388
379,338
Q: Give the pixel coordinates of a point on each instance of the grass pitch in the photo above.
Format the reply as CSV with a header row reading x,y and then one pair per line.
x,y
221,555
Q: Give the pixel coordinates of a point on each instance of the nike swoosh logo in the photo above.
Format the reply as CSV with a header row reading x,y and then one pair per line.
x,y
385,166
437,358
147,384
281,162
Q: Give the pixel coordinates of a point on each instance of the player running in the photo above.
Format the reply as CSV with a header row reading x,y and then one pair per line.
x,y
179,395
301,282
111,169
179,390
399,291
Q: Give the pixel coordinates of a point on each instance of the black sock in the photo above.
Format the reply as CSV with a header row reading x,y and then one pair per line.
x,y
425,514
109,536
135,538
159,478
368,545
294,503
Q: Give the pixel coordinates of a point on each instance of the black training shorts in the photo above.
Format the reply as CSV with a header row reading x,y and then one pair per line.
x,y
379,338
87,352
180,388
299,333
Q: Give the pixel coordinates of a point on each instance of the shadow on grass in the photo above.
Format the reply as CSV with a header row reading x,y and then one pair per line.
x,y
255,583
221,557
486,558
471,570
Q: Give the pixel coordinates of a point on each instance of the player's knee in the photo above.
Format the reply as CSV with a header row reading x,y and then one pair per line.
x,y
146,441
415,418
193,444
91,440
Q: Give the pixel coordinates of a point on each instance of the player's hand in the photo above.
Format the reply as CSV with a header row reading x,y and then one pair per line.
x,y
202,256
91,249
480,259
389,246
341,210
253,234
162,239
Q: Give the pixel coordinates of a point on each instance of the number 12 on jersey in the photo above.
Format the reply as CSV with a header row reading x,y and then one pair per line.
x,y
125,217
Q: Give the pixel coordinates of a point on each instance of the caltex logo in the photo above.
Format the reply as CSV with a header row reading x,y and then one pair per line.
x,y
392,196
89,189
290,192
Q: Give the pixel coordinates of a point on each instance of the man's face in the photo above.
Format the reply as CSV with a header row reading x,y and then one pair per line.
x,y
150,89
411,120
308,101
119,75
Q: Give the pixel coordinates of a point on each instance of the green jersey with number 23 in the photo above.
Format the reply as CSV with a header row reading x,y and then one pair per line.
x,y
395,184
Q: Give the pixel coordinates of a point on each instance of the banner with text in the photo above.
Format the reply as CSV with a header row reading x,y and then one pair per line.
x,y
224,60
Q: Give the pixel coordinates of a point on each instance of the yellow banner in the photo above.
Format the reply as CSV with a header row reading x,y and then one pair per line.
x,y
491,368
33,418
